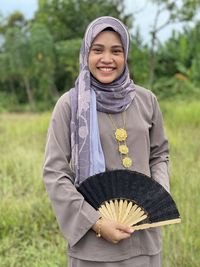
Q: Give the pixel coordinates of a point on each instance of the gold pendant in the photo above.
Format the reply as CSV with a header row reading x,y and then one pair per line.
x,y
127,162
123,149
120,134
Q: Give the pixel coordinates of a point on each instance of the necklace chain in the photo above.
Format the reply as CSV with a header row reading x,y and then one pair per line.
x,y
120,137
123,118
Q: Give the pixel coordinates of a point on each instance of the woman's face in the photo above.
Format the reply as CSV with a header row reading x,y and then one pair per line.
x,y
106,57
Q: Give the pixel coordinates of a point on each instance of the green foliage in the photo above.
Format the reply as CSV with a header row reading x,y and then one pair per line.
x,y
178,68
29,235
67,54
68,19
4,67
17,55
176,11
27,63
39,58
138,60
43,61
17,51
16,19
7,101
177,87
40,55
179,52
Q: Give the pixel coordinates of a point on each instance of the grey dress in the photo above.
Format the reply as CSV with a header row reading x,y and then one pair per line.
x,y
138,261
148,148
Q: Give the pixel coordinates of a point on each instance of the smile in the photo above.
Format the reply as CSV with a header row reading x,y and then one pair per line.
x,y
106,69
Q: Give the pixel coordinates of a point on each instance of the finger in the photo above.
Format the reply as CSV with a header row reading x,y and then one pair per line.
x,y
123,235
125,228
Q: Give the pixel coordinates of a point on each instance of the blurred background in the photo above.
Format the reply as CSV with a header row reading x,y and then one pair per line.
x,y
39,61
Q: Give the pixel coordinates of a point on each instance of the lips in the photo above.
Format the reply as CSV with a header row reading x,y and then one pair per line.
x,y
106,69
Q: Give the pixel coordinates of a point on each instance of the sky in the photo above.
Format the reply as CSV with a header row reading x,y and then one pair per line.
x,y
27,7
144,13
143,19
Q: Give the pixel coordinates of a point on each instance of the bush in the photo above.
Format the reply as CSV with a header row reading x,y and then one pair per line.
x,y
175,87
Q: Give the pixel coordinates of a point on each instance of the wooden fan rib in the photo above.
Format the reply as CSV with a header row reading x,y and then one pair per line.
x,y
137,217
112,206
116,203
132,212
109,210
120,209
104,212
156,224
132,222
130,204
124,207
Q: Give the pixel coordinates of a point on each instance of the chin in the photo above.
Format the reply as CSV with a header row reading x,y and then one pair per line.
x,y
105,81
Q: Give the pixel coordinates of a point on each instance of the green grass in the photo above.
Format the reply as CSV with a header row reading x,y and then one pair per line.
x,y
182,242
29,235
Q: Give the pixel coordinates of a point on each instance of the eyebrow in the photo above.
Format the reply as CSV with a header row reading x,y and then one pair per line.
x,y
113,46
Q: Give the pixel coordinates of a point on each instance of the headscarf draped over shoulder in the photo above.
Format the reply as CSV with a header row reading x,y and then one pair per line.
x,y
89,95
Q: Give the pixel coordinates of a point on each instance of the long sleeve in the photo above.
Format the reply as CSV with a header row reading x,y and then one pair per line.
x,y
74,215
159,151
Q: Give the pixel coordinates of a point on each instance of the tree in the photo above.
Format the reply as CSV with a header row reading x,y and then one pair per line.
x,y
67,54
67,19
16,19
138,59
40,55
179,11
42,61
180,54
178,68
27,63
18,55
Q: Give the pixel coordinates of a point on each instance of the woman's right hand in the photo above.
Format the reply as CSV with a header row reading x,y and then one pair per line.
x,y
112,231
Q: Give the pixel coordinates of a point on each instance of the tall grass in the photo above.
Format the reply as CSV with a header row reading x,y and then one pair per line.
x,y
29,235
182,242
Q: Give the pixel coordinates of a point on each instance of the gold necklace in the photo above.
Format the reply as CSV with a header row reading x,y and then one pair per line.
x,y
121,136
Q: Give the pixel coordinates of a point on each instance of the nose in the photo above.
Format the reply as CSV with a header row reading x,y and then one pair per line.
x,y
106,58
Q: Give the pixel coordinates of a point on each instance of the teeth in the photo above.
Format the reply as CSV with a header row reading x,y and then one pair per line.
x,y
106,69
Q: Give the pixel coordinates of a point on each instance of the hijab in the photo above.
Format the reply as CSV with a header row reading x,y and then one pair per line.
x,y
89,96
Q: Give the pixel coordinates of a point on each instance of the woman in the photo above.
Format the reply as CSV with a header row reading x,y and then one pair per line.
x,y
81,142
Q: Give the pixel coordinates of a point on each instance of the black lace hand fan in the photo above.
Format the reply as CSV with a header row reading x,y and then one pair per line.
x,y
131,198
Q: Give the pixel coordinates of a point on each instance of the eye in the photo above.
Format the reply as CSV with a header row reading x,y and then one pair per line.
x,y
117,51
97,50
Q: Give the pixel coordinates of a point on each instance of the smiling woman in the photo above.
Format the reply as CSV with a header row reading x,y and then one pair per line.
x,y
104,123
106,59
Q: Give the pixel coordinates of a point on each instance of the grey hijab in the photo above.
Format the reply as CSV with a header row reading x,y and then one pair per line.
x,y
88,96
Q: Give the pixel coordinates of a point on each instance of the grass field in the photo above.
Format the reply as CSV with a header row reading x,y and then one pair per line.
x,y
29,236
